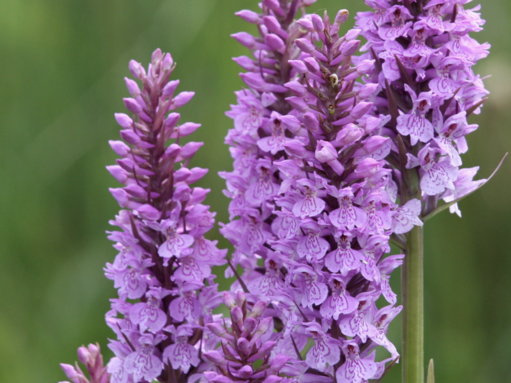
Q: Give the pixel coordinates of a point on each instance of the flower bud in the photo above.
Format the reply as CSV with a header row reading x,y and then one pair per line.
x,y
118,173
245,39
237,315
182,99
272,24
119,147
325,151
258,309
132,105
305,45
245,62
318,23
340,19
166,64
368,167
299,66
132,87
149,212
245,372
248,16
348,135
312,64
241,298
306,24
172,151
296,88
244,345
137,69
229,300
190,149
249,325
279,361
181,174
170,88
361,109
350,48
215,357
196,174
124,120
274,42
218,330
130,137
84,356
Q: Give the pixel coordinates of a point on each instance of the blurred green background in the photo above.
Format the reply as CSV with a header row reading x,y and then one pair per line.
x,y
62,64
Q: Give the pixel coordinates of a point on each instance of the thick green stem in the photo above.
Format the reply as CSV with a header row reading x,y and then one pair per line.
x,y
412,282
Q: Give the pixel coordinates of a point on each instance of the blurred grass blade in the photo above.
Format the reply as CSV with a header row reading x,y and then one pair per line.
x,y
431,372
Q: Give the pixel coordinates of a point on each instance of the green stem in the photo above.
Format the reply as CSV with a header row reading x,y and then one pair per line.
x,y
413,311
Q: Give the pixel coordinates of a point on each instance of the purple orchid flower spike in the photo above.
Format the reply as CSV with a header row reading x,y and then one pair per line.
x,y
164,261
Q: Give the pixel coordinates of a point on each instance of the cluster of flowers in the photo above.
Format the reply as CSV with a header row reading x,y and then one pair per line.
x,y
325,145
164,261
426,84
93,360
246,346
315,198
